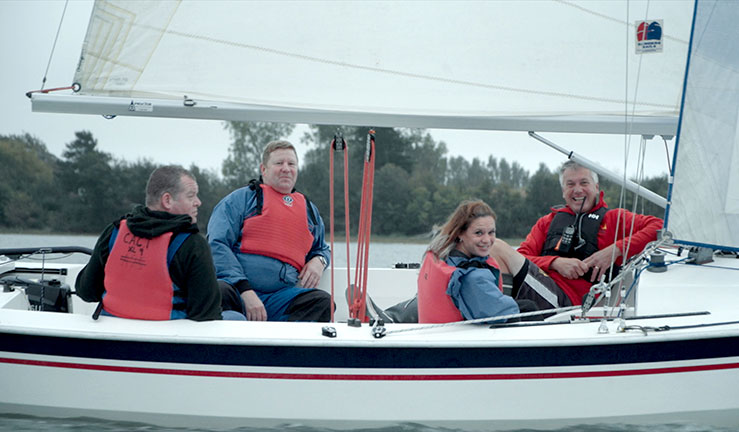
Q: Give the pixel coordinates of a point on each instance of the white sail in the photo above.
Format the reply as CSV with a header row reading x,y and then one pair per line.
x,y
705,196
546,66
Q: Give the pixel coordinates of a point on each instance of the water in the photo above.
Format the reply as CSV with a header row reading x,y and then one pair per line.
x,y
381,255
14,423
42,240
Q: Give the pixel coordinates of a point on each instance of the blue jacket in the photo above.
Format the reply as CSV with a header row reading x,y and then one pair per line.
x,y
273,280
474,290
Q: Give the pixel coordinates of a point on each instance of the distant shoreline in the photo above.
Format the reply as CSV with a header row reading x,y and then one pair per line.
x,y
338,237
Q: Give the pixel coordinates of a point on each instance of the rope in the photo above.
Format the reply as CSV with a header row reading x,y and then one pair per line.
x,y
626,244
331,220
339,144
482,320
358,309
646,329
53,47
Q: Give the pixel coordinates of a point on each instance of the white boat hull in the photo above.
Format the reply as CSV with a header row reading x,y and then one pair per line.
x,y
232,374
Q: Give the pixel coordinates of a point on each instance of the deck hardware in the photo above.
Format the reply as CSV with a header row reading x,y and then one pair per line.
x,y
657,262
354,322
646,329
328,331
621,325
591,298
700,255
379,330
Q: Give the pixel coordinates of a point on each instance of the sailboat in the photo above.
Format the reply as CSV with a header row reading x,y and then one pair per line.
x,y
663,347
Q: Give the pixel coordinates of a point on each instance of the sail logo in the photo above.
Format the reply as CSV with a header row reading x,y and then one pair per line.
x,y
648,36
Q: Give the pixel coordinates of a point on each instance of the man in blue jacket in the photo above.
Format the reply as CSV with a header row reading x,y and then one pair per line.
x,y
268,245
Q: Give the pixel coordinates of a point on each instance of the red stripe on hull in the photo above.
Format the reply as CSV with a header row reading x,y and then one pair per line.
x,y
373,377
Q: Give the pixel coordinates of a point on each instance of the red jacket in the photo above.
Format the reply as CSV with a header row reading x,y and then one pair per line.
x,y
645,231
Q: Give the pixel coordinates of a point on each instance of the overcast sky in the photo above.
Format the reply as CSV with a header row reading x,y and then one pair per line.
x,y
27,31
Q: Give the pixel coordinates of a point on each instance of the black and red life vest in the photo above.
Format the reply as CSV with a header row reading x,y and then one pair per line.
x,y
586,226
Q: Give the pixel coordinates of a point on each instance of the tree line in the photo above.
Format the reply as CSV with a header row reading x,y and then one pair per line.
x,y
417,184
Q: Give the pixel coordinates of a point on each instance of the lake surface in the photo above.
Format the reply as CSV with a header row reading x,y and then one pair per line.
x,y
381,255
23,423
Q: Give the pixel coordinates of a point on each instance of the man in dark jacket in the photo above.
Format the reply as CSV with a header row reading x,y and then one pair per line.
x,y
152,263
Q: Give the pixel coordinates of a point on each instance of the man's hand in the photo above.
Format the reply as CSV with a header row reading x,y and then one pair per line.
x,y
571,268
310,276
601,261
255,310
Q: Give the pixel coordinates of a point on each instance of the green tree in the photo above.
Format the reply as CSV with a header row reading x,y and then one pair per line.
x,y
92,196
430,163
245,151
458,168
392,146
211,189
511,174
130,179
507,203
420,210
390,202
28,193
656,184
542,192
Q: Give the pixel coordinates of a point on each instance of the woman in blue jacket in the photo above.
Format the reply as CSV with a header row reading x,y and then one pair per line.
x,y
460,278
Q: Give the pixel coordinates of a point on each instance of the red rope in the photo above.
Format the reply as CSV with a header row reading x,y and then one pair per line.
x,y
365,227
347,232
74,87
342,147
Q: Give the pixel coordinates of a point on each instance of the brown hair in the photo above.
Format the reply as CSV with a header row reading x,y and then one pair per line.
x,y
458,222
276,145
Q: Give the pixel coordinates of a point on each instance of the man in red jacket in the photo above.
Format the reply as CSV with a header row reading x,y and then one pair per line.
x,y
577,243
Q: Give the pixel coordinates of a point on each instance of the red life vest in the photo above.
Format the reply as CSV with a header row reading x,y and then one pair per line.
x,y
137,282
281,230
434,304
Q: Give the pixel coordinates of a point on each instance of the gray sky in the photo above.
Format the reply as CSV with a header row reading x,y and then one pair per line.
x,y
27,31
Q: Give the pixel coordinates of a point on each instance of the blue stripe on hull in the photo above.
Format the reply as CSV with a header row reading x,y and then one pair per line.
x,y
371,357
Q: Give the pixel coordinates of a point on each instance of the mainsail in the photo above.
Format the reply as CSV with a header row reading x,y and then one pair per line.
x,y
704,207
545,66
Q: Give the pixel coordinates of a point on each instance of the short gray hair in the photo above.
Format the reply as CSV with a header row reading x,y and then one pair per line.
x,y
571,164
165,179
276,145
